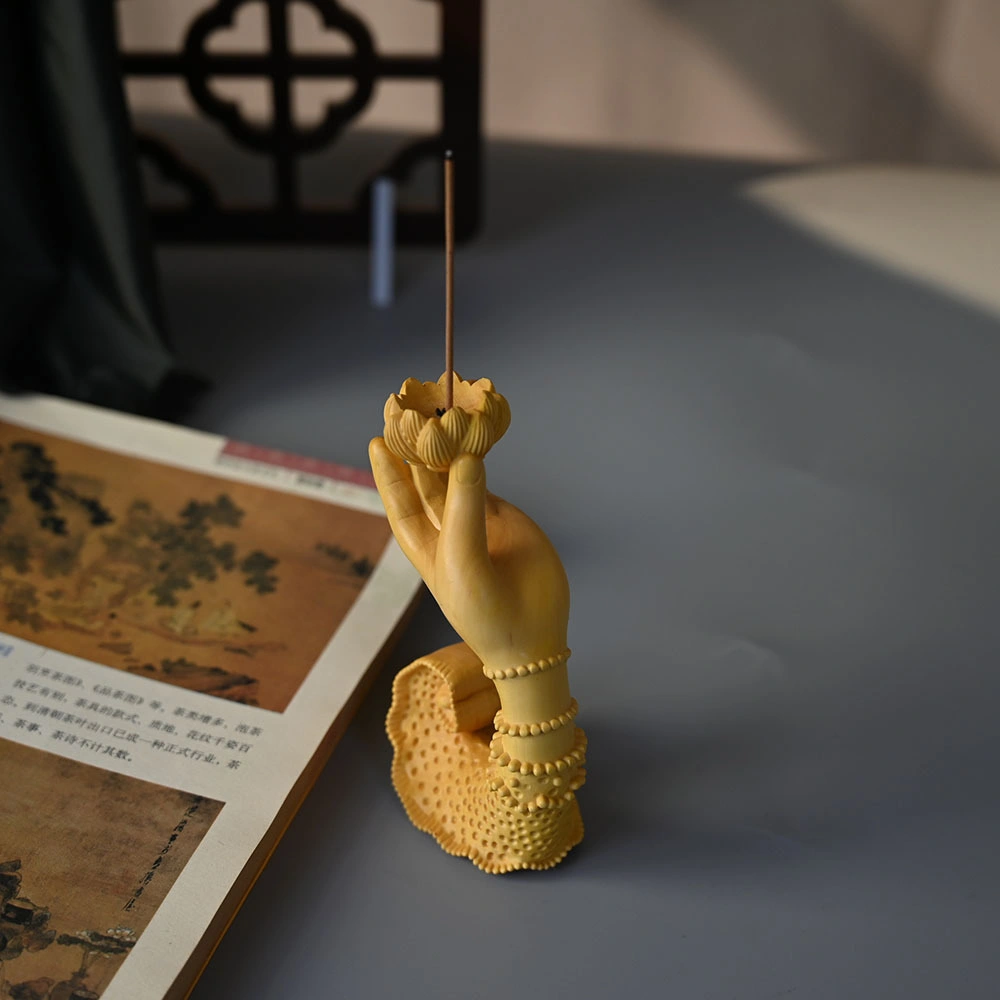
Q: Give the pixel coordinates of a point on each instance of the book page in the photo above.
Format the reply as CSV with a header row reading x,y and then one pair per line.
x,y
183,619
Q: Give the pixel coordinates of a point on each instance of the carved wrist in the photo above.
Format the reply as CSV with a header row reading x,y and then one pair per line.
x,y
535,721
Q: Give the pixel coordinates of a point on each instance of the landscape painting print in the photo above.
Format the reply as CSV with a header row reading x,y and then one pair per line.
x,y
86,857
217,586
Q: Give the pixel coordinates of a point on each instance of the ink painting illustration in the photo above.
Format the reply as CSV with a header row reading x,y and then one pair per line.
x,y
217,586
86,858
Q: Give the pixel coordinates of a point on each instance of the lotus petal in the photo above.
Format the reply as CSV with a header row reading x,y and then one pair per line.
x,y
396,441
455,423
434,447
487,405
412,423
393,407
479,437
502,420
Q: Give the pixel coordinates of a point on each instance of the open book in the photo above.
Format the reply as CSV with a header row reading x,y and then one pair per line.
x,y
186,625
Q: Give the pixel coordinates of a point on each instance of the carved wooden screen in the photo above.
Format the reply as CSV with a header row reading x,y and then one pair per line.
x,y
455,68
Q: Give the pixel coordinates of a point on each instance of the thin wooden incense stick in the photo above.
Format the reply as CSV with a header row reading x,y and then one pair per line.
x,y
449,277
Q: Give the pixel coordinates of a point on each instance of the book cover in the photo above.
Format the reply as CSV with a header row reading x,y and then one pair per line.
x,y
185,626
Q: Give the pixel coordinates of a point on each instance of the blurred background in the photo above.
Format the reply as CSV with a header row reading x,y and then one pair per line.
x,y
900,80
249,123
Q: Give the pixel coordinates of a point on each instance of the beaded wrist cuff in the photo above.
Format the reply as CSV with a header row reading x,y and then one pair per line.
x,y
527,669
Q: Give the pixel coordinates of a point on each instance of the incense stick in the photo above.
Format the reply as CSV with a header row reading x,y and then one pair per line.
x,y
449,277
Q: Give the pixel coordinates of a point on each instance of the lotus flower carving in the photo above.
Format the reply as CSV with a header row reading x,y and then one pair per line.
x,y
420,430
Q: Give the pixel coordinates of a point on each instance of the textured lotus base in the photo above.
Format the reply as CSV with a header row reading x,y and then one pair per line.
x,y
440,726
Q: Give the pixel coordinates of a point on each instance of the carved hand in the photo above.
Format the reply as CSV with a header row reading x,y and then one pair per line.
x,y
496,576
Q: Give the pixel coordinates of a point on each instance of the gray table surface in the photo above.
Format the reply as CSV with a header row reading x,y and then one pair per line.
x,y
771,471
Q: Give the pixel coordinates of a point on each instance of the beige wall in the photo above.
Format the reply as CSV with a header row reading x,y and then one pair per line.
x,y
907,80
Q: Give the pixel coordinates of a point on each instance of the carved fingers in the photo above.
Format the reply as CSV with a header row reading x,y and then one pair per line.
x,y
431,488
417,502
462,547
416,535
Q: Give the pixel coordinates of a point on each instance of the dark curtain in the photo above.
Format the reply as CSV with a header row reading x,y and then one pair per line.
x,y
80,313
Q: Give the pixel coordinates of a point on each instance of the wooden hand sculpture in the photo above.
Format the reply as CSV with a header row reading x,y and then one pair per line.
x,y
505,798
